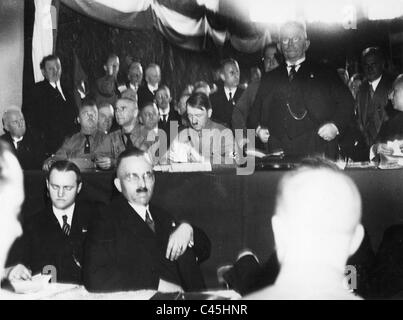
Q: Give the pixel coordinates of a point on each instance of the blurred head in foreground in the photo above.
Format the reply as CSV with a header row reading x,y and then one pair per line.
x,y
11,199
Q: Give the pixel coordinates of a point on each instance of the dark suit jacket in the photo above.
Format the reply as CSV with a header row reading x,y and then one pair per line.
x,y
317,90
392,128
222,108
48,113
372,112
123,253
388,273
30,151
44,244
144,95
173,116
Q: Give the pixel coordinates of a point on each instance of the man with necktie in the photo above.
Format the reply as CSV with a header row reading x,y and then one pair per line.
x,y
53,238
51,109
372,97
24,143
135,245
146,92
224,99
80,147
301,107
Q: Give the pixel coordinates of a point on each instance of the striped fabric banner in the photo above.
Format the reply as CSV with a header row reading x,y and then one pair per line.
x,y
190,24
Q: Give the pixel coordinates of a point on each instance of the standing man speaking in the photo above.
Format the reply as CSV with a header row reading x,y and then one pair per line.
x,y
301,107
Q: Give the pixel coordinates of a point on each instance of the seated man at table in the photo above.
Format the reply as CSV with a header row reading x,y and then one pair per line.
x,y
393,128
125,138
24,143
205,140
11,199
80,147
53,239
316,228
135,245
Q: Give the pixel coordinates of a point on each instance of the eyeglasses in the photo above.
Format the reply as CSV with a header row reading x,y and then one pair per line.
x,y
294,40
134,177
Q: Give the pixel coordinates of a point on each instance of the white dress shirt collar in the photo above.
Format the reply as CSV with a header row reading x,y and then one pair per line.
x,y
228,90
375,83
60,213
297,64
57,86
16,140
141,210
152,88
164,112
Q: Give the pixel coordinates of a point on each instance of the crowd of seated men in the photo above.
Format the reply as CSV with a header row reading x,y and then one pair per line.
x,y
293,104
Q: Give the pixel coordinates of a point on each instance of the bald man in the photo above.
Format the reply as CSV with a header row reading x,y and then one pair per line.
x,y
24,144
316,228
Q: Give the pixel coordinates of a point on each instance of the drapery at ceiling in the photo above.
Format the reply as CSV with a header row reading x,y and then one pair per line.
x,y
190,24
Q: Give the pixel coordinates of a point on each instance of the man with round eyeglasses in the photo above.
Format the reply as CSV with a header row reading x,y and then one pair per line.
x,y
301,107
135,245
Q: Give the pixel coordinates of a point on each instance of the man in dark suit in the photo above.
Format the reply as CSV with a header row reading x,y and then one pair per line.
x,y
23,143
135,76
146,92
138,246
372,97
301,107
225,98
53,239
167,116
51,110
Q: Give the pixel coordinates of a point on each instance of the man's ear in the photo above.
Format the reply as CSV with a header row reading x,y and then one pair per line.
x,y
78,120
307,44
222,77
43,73
357,238
118,186
209,112
79,187
47,184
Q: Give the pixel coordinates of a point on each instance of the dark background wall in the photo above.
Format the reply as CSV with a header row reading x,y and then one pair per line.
x,y
92,41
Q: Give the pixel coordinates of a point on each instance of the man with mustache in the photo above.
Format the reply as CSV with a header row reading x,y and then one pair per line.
x,y
135,245
80,147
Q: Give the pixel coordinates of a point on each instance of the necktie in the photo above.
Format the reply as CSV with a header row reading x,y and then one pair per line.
x,y
129,143
371,91
164,118
150,222
66,226
292,73
230,96
87,146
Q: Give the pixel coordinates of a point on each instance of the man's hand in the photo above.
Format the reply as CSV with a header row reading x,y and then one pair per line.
x,y
178,241
382,148
328,131
18,272
263,134
104,163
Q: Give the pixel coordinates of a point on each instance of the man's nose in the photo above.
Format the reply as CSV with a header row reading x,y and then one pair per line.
x,y
60,193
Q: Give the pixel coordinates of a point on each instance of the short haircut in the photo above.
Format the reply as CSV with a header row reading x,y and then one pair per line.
x,y
224,62
130,95
131,152
373,51
49,57
87,102
165,88
129,98
299,24
105,105
149,104
199,100
8,111
111,56
65,166
153,66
